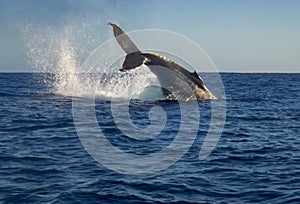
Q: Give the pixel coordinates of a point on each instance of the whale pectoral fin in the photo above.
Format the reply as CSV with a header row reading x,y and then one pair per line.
x,y
132,61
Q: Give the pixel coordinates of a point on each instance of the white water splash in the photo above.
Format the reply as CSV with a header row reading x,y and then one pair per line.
x,y
52,52
66,74
126,85
103,84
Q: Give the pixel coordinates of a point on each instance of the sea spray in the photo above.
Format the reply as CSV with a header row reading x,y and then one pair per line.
x,y
66,74
55,51
127,85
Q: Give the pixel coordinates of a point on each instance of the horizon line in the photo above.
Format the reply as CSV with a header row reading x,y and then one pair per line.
x,y
225,72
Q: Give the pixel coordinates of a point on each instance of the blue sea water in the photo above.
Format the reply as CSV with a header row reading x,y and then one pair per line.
x,y
257,158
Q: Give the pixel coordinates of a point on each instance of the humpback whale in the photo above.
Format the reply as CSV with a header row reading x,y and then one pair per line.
x,y
176,82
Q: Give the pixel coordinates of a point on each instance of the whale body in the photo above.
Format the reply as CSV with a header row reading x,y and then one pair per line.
x,y
176,82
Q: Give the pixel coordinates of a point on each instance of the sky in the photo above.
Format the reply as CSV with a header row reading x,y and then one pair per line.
x,y
238,35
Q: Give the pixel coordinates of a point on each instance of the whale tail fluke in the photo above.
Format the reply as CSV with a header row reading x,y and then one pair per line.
x,y
123,39
133,58
132,61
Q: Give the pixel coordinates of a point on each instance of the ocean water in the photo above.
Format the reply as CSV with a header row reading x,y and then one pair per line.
x,y
257,158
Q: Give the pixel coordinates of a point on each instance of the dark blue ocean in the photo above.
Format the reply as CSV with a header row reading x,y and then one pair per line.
x,y
257,158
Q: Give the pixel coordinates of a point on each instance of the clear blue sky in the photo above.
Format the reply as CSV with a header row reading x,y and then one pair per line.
x,y
239,35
